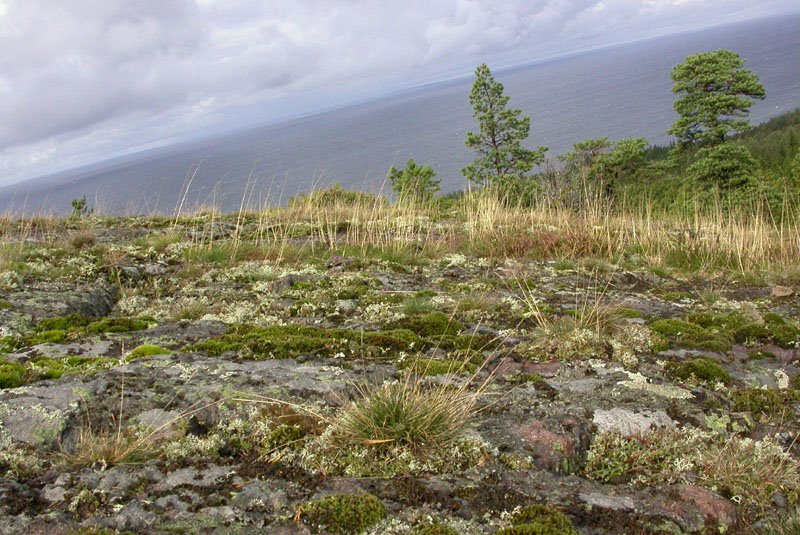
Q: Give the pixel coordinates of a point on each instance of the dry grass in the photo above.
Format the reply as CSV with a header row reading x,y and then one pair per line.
x,y
749,241
407,413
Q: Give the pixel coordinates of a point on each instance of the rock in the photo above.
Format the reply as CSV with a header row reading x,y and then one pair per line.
x,y
38,415
779,292
608,502
131,273
53,494
714,510
629,423
560,452
192,477
163,424
261,496
779,500
47,300
341,262
154,270
133,517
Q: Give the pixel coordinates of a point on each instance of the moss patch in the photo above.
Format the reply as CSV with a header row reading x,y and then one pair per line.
x,y
12,374
119,325
290,341
702,369
147,350
431,324
539,520
342,513
425,366
691,335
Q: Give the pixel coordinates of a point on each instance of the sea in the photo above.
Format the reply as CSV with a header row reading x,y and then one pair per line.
x,y
621,91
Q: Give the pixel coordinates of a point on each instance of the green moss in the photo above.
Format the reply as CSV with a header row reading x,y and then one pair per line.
x,y
691,335
432,324
766,401
539,520
703,369
286,435
521,378
398,339
12,374
425,366
435,528
50,368
627,312
54,336
119,325
5,304
342,513
9,344
146,350
760,355
70,322
745,331
291,341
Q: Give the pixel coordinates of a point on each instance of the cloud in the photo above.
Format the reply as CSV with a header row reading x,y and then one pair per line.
x,y
81,79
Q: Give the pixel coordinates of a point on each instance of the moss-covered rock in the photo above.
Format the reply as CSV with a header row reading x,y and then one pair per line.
x,y
342,513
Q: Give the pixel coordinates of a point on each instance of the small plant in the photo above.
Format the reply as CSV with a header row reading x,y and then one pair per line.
x,y
341,513
414,183
763,401
746,470
80,208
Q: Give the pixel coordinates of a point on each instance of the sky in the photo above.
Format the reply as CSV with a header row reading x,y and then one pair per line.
x,y
86,80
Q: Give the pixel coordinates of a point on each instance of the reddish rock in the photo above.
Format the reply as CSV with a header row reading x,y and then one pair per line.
x,y
550,450
697,505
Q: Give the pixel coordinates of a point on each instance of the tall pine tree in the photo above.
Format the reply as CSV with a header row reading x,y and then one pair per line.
x,y
502,161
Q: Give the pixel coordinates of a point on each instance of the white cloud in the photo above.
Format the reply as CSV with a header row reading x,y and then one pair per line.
x,y
80,79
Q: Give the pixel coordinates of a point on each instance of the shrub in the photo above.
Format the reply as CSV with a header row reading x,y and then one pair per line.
x,y
414,182
341,513
335,195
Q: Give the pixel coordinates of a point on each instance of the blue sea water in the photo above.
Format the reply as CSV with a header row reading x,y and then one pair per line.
x,y
624,91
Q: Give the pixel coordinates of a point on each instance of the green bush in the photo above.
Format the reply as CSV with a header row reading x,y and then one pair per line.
x,y
414,182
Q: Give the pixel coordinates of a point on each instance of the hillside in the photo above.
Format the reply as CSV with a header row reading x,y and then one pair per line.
x,y
338,367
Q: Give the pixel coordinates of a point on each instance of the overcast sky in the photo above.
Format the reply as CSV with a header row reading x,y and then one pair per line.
x,y
83,80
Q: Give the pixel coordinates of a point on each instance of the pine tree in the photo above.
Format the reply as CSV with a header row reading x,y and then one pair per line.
x,y
502,161
717,92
